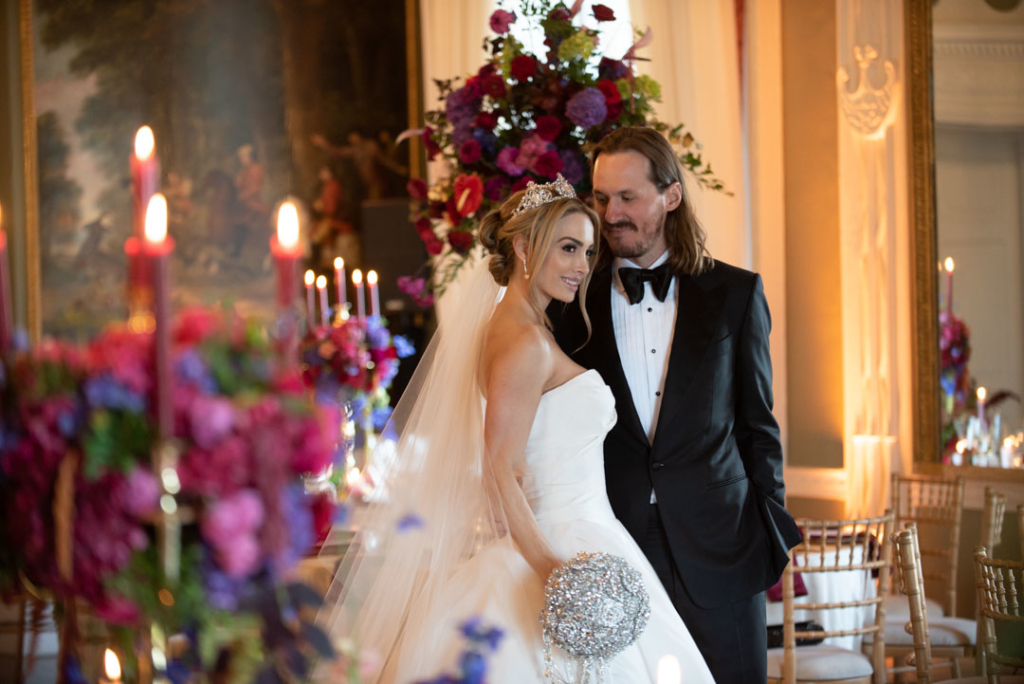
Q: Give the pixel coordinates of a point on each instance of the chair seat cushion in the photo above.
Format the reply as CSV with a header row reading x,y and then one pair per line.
x,y
821,663
944,631
898,606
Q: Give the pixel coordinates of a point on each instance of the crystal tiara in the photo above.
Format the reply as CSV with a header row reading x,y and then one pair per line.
x,y
536,195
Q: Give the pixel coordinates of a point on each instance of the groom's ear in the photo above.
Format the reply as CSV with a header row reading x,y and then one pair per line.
x,y
673,196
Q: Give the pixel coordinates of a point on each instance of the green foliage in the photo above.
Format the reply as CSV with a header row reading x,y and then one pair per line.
x,y
116,440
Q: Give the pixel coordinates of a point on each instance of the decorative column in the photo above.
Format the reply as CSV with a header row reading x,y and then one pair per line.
x,y
873,226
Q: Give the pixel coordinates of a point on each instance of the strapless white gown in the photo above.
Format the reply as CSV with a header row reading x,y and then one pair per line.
x,y
563,478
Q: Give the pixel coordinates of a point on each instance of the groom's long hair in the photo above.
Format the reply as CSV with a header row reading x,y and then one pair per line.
x,y
687,249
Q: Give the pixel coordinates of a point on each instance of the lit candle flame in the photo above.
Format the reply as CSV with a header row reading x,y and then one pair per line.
x,y
669,671
949,265
371,277
287,225
145,143
357,277
156,219
982,393
961,446
310,277
321,282
339,263
111,665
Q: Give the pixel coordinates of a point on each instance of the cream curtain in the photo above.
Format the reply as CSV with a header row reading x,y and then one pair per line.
x,y
695,58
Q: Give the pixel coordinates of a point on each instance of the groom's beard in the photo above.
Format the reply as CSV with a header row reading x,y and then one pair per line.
x,y
626,241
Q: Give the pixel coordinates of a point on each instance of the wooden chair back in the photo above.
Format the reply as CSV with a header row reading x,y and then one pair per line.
x,y
992,514
1001,604
839,546
907,559
936,505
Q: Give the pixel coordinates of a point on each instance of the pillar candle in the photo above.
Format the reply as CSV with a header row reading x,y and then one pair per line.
x,y
950,265
325,312
371,280
339,285
357,280
286,250
157,248
982,394
145,173
310,279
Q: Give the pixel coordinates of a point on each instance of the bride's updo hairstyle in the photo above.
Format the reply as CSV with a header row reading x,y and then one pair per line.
x,y
500,227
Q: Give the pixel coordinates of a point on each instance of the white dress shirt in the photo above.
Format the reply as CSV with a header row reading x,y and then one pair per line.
x,y
643,335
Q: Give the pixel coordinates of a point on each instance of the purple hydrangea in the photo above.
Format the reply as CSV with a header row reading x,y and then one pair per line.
x,y
572,166
586,108
377,336
104,391
461,107
191,369
295,512
403,347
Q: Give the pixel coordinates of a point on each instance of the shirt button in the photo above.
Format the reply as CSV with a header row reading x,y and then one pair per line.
x,y
649,309
658,465
654,351
657,394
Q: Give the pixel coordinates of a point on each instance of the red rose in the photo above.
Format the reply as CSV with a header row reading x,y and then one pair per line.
x,y
486,70
460,240
486,120
494,86
610,91
523,67
547,164
520,184
435,247
603,13
417,189
469,152
548,127
614,111
468,193
425,229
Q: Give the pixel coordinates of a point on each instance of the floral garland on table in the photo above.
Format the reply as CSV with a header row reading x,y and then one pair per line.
x,y
79,418
525,117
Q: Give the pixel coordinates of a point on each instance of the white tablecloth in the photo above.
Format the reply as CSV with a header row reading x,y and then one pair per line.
x,y
832,587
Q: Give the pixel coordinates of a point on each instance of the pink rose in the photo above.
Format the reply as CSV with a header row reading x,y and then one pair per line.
x,y
501,20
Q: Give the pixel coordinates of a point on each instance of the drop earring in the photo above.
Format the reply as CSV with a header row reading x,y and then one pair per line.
x,y
526,273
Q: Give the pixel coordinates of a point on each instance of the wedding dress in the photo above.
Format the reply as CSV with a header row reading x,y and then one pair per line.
x,y
405,593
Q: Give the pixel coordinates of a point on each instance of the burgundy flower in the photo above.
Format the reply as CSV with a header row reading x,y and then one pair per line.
x,y
559,14
610,91
523,67
486,70
425,229
435,247
501,20
548,127
612,69
494,188
494,86
433,149
417,189
467,193
460,240
520,184
435,210
486,120
547,164
615,111
469,153
603,13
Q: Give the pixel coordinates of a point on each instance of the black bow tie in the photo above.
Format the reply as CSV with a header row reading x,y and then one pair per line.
x,y
633,280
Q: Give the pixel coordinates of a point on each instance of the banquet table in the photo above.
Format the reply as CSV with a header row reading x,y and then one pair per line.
x,y
831,587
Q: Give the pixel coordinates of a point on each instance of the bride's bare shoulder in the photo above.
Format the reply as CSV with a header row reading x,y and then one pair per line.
x,y
517,351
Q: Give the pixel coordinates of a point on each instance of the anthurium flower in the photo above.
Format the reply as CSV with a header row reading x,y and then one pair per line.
x,y
468,193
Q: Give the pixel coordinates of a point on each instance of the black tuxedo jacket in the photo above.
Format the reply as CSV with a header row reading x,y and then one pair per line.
x,y
716,461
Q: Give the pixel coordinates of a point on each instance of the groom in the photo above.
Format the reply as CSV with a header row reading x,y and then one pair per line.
x,y
694,464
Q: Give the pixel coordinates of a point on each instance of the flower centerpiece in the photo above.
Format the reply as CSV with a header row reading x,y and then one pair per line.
x,y
527,117
81,500
351,365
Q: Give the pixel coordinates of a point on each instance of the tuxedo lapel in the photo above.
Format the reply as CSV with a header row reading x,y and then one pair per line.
x,y
605,352
697,314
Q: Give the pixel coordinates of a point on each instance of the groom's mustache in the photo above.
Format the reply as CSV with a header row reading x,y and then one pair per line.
x,y
618,225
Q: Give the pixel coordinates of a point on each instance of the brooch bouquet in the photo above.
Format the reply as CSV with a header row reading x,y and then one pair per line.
x,y
528,117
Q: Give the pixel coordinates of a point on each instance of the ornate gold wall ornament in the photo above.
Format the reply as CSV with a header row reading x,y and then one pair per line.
x,y
868,110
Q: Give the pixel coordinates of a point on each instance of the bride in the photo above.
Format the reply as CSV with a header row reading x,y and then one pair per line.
x,y
497,474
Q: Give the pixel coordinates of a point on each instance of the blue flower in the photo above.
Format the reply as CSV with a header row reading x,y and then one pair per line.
x,y
403,346
295,512
473,667
104,391
377,336
380,417
19,340
409,522
190,368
